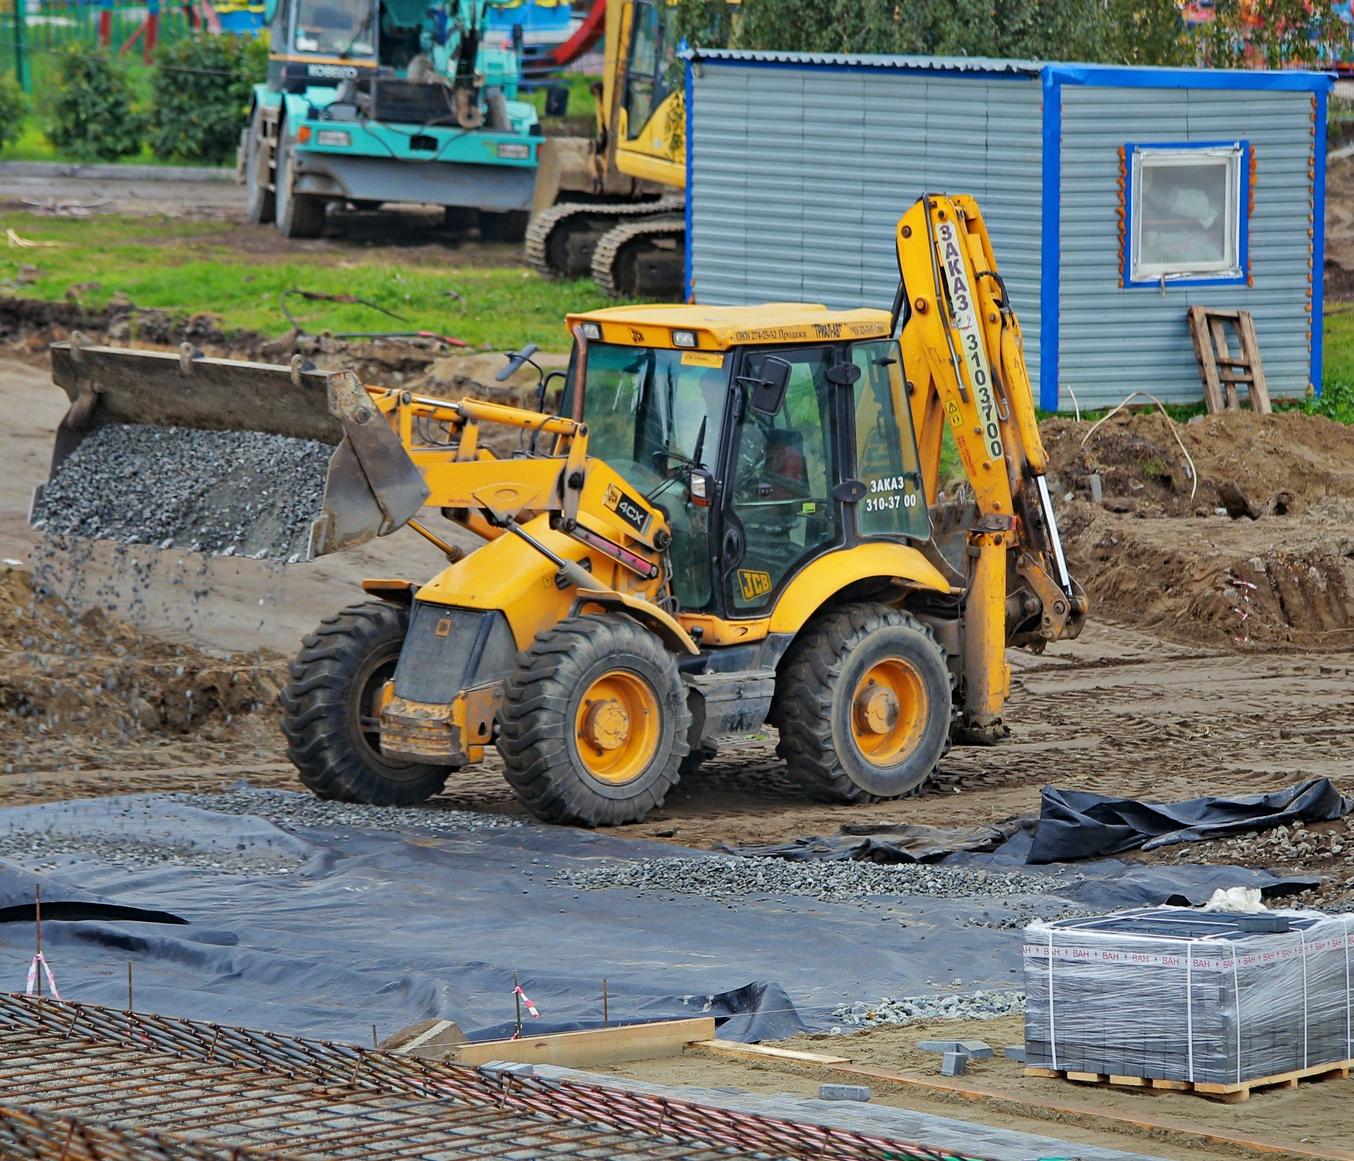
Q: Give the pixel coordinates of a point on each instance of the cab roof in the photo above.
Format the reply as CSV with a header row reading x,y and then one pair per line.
x,y
717,328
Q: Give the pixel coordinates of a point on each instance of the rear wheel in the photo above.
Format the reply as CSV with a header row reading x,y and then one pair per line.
x,y
330,714
594,723
863,705
297,215
258,158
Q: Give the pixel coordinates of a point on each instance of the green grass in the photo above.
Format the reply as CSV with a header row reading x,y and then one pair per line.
x,y
197,267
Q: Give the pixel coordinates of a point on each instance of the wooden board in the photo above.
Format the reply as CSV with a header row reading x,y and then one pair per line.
x,y
732,1048
594,1046
1230,1093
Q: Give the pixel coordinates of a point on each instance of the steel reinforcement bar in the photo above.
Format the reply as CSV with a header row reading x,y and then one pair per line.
x,y
224,1086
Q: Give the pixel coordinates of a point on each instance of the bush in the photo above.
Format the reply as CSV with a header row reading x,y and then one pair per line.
x,y
13,109
200,93
92,114
1336,401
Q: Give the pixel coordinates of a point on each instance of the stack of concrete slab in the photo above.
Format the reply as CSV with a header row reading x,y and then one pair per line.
x,y
1180,994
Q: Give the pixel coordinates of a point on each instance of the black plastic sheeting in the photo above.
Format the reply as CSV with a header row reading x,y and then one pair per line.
x,y
373,927
1074,824
19,896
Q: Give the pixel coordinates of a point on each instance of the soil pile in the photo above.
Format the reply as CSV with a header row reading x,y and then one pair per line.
x,y
89,690
1259,553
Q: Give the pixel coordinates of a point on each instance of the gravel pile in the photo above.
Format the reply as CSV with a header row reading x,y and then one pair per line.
x,y
724,877
48,850
287,808
981,1005
222,493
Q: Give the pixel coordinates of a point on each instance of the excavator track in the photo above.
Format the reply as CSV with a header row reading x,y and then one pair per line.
x,y
629,262
548,223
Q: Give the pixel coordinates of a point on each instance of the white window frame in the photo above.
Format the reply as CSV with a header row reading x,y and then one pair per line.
x,y
1232,267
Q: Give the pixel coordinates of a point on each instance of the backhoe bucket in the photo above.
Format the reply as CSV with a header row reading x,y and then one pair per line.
x,y
371,487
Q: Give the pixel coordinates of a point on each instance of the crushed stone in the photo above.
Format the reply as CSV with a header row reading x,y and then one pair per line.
x,y
979,1005
287,808
221,493
723,877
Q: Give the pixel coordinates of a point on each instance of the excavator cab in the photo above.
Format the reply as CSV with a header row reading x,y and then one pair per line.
x,y
761,457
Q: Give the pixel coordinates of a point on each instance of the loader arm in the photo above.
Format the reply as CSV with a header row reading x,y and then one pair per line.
x,y
965,365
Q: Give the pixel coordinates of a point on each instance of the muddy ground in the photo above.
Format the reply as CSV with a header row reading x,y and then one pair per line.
x,y
1200,700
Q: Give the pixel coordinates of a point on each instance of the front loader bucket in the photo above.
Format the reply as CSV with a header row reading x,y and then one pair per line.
x,y
371,486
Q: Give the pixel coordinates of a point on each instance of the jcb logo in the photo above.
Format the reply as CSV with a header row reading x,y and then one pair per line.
x,y
753,583
636,336
626,507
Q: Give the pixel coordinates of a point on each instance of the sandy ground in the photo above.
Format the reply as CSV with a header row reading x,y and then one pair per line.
x,y
1314,1120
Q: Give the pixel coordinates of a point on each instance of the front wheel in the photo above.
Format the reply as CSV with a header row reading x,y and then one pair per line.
x,y
330,710
297,215
594,723
863,704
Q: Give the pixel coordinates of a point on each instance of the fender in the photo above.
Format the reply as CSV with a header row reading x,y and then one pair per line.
x,y
824,578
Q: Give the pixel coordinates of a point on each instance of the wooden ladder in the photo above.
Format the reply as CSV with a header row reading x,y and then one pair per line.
x,y
1222,372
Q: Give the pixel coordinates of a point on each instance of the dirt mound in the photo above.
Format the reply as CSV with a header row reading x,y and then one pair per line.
x,y
83,689
1277,463
1262,552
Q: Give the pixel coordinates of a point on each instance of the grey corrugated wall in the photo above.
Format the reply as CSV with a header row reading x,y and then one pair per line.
x,y
795,195
1115,340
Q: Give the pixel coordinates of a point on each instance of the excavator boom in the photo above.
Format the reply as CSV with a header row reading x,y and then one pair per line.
x,y
964,356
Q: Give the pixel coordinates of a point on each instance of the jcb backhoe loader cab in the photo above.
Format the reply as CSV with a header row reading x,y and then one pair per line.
x,y
746,543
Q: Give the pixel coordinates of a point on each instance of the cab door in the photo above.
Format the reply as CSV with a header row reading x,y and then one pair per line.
x,y
779,510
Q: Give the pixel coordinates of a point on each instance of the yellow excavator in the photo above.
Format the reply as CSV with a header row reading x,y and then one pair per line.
x,y
613,207
726,521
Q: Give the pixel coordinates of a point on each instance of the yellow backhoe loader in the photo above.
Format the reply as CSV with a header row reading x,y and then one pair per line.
x,y
727,522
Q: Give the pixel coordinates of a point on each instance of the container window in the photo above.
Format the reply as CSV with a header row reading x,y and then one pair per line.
x,y
1187,213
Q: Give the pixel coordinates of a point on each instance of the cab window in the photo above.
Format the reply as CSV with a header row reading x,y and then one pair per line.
x,y
646,70
894,503
652,414
783,478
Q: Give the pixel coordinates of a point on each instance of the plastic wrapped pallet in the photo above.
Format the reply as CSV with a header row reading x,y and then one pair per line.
x,y
1179,994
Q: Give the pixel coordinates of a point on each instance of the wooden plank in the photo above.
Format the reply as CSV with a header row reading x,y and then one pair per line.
x,y
1169,1085
1221,350
764,1051
1251,345
1203,352
1128,1081
1049,1073
1086,1077
594,1046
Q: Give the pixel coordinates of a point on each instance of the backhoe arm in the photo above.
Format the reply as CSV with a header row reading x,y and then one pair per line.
x,y
965,366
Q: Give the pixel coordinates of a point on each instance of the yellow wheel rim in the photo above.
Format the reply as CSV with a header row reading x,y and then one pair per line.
x,y
617,727
888,712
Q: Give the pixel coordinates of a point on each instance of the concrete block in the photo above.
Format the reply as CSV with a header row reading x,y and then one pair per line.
x,y
510,1067
1014,1052
977,1049
954,1063
843,1092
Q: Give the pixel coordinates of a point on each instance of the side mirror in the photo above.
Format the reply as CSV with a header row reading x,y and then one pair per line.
x,y
767,392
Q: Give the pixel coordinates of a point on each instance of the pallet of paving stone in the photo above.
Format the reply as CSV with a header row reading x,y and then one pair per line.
x,y
1173,994
1229,1093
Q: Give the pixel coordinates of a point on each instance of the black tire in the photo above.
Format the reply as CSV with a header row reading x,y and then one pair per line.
x,y
539,721
508,226
259,200
296,215
340,668
819,692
